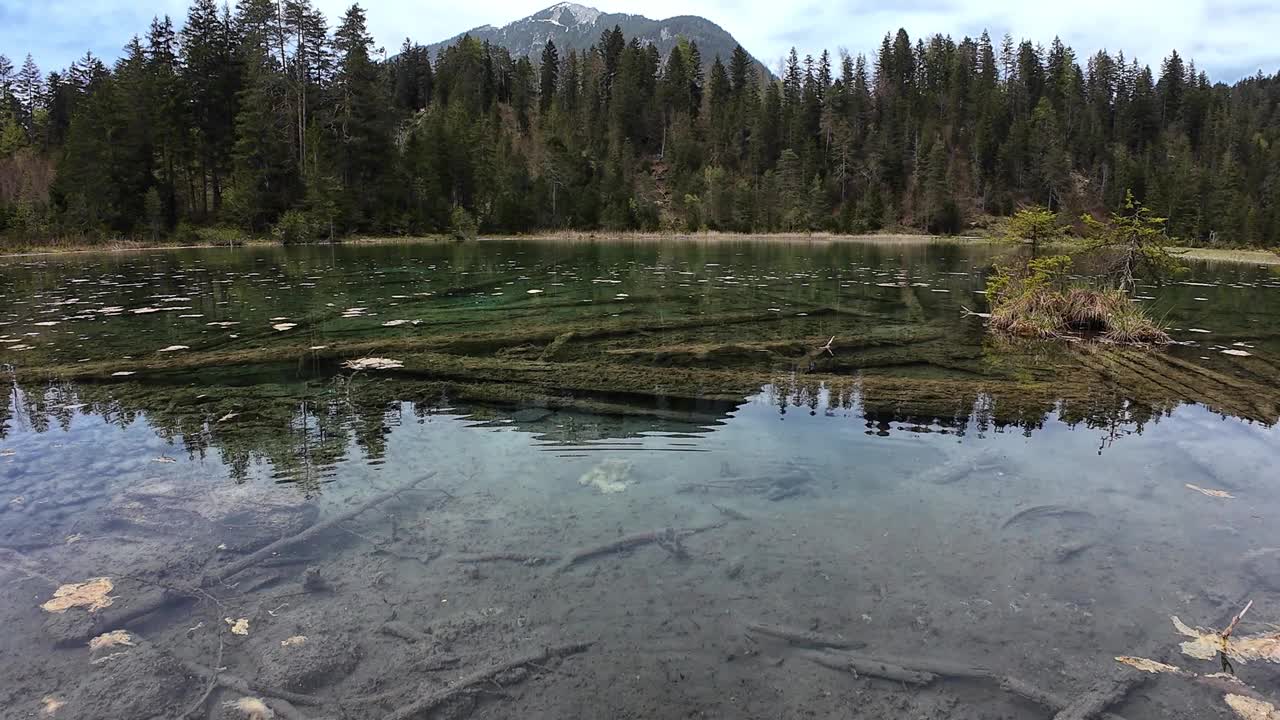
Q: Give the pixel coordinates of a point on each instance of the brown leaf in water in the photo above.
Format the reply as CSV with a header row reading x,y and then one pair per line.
x,y
1212,493
50,705
91,594
251,708
111,639
238,627
1149,666
1250,709
1255,647
295,640
1207,644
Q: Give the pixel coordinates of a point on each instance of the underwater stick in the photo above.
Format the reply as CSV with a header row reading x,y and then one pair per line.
x,y
922,671
440,697
101,623
232,682
804,638
633,541
208,688
867,666
506,557
1101,696
315,529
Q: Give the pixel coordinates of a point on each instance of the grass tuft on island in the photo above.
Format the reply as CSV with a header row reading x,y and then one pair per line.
x,y
1033,300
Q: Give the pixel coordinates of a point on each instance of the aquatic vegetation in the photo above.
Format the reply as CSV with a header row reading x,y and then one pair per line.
x,y
91,595
1032,300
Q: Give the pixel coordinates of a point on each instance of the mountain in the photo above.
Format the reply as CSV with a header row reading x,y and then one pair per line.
x,y
577,27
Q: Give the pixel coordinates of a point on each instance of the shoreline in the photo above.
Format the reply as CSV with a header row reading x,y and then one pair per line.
x,y
566,236
1240,256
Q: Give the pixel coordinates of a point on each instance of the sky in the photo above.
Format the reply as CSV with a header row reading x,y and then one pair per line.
x,y
1228,38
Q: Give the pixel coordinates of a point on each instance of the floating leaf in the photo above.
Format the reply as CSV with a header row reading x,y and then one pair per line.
x,y
1149,666
281,327
373,363
294,641
91,594
238,627
1252,709
1211,493
111,639
174,348
1237,353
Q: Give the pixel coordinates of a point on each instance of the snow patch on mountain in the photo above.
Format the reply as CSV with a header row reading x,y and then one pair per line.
x,y
582,15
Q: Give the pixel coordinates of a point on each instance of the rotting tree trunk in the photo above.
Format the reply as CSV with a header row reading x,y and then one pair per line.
x,y
103,622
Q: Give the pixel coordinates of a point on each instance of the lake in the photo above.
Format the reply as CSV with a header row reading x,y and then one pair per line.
x,y
618,479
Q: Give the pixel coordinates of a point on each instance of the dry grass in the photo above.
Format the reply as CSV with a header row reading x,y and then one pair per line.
x,y
1252,257
1109,315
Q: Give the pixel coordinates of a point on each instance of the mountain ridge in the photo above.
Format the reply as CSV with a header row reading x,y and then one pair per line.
x,y
576,27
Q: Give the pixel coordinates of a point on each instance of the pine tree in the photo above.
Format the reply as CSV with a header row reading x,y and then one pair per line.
x,y
549,76
28,90
265,179
212,77
365,149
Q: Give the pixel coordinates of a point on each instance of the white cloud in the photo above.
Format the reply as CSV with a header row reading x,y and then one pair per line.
x,y
1228,38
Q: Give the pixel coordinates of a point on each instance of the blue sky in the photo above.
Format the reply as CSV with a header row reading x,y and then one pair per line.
x,y
1228,38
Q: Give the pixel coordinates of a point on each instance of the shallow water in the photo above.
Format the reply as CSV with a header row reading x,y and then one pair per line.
x,y
918,512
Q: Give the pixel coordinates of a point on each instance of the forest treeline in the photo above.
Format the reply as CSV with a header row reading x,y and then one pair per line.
x,y
260,119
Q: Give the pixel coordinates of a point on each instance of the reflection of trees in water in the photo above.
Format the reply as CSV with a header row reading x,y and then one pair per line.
x,y
885,409
302,430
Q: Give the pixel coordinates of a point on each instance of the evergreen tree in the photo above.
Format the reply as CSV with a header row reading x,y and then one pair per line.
x,y
549,75
364,147
310,133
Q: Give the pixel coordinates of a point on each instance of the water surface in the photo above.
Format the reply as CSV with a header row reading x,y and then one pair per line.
x,y
860,461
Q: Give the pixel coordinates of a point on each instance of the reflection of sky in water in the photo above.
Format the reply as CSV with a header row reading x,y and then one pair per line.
x,y
1037,544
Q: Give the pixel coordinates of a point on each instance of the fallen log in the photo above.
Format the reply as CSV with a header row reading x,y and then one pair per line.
x,y
1104,694
249,561
922,671
100,623
522,558
868,666
629,542
439,697
804,638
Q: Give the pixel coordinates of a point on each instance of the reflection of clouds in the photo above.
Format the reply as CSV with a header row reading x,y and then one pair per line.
x,y
1229,39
